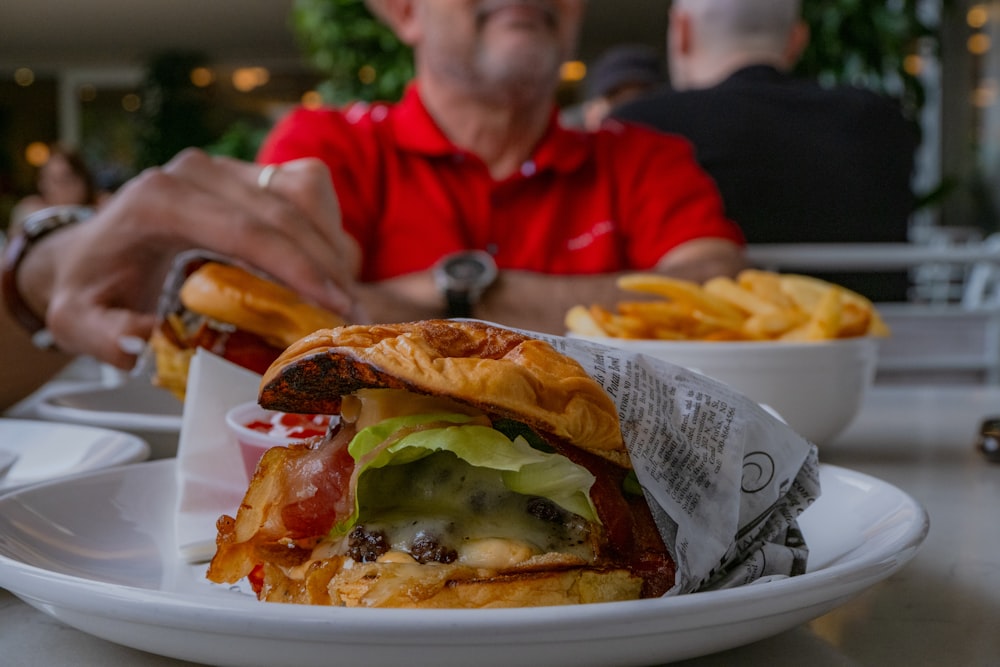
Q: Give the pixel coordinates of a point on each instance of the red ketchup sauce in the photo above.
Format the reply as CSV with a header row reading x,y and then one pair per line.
x,y
292,426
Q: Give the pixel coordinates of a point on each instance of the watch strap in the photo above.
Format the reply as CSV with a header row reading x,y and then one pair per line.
x,y
34,228
457,304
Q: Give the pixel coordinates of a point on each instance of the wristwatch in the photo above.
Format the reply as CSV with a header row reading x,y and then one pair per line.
x,y
462,277
34,228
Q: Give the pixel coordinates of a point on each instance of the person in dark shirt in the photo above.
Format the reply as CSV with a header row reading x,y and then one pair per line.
x,y
621,74
795,162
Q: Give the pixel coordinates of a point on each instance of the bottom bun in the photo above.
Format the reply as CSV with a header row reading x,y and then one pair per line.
x,y
172,363
342,582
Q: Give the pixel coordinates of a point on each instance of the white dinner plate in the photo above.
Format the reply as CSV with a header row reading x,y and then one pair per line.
x,y
47,451
136,406
97,552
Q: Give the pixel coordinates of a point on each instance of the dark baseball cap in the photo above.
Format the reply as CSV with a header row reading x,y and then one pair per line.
x,y
625,65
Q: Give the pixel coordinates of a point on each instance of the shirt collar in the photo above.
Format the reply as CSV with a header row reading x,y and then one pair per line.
x,y
415,130
757,73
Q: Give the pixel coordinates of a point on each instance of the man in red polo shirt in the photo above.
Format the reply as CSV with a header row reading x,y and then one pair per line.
x,y
473,158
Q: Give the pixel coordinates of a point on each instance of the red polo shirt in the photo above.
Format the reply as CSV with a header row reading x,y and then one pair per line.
x,y
614,200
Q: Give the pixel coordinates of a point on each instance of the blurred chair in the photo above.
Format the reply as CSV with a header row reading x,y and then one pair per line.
x,y
982,286
942,282
939,344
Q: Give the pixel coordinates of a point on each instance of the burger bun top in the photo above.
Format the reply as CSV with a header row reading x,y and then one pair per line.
x,y
499,371
254,304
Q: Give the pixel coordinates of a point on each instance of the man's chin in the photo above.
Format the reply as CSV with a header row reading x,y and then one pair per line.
x,y
525,82
519,45
524,16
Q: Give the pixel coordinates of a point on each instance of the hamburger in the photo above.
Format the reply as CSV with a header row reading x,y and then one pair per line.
x,y
470,466
238,315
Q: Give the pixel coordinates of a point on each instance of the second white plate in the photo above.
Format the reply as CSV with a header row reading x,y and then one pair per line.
x,y
47,451
136,406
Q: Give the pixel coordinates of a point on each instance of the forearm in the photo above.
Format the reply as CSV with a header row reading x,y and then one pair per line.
x,y
36,273
402,299
538,301
522,299
25,367
702,259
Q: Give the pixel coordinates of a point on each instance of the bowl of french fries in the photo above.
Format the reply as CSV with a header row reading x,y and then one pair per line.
x,y
802,346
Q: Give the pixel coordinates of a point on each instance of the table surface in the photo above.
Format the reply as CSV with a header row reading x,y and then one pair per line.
x,y
943,608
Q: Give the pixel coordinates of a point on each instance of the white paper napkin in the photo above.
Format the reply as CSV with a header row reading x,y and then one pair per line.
x,y
210,475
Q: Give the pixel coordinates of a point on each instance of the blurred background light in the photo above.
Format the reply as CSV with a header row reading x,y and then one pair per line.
x,y
572,71
202,77
24,76
36,153
978,44
977,16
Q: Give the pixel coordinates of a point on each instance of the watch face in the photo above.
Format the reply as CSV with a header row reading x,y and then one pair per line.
x,y
465,269
471,271
462,277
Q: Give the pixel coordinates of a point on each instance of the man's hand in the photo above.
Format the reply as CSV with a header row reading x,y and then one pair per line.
x,y
100,280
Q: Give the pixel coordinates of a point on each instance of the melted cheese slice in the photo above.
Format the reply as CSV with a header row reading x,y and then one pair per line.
x,y
443,500
371,406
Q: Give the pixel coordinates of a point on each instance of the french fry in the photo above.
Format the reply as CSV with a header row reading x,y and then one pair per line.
x,y
579,320
766,285
855,320
725,288
877,326
804,291
620,326
825,320
683,291
709,324
658,313
772,325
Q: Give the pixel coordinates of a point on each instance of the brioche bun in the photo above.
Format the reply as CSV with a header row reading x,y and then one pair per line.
x,y
449,586
496,370
249,302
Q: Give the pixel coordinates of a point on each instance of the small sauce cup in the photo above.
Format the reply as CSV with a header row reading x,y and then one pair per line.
x,y
257,430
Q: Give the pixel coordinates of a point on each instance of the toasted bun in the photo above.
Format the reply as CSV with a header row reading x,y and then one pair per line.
x,y
496,370
447,586
231,294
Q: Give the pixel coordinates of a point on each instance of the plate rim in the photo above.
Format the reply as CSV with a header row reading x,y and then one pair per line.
x,y
112,419
216,614
135,450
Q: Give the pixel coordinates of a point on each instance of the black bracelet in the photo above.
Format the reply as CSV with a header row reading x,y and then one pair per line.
x,y
35,227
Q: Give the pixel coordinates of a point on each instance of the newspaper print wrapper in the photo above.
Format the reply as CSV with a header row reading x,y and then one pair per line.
x,y
725,479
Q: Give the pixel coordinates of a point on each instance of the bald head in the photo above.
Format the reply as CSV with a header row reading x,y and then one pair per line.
x,y
709,39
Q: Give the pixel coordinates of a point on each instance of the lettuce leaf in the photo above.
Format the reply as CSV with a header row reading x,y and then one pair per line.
x,y
525,470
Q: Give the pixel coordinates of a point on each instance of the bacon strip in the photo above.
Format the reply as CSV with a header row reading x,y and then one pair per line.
x,y
295,497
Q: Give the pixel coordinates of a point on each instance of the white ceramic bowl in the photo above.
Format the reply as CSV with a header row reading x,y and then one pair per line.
x,y
817,388
281,429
